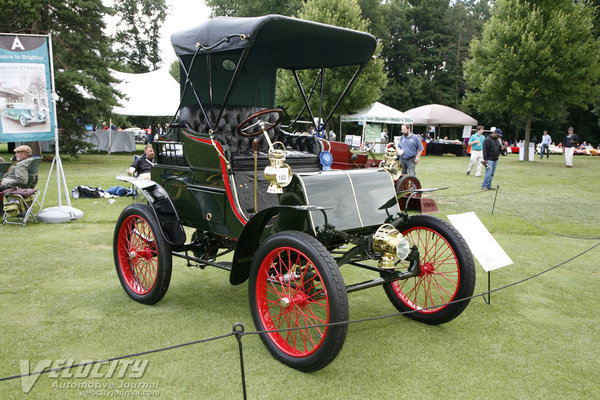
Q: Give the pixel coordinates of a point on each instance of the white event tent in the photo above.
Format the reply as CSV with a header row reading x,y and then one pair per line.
x,y
376,113
439,115
153,93
149,94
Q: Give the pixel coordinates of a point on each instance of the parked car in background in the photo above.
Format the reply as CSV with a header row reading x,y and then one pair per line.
x,y
141,137
25,113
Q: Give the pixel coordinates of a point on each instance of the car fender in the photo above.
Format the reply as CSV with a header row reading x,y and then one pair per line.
x,y
249,239
159,200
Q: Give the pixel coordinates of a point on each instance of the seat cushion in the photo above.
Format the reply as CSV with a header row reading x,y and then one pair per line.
x,y
302,150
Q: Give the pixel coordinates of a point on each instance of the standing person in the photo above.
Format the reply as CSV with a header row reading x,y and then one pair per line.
x,y
546,141
150,132
569,143
410,150
476,143
491,150
384,136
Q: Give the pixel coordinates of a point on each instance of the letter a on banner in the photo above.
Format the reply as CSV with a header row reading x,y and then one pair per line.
x,y
26,108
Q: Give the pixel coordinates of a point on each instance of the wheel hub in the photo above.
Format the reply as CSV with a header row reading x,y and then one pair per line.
x,y
427,269
298,300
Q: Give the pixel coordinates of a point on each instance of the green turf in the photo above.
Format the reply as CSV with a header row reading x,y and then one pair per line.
x,y
61,299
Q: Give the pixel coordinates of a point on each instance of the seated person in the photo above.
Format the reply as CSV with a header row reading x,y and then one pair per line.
x,y
143,164
18,174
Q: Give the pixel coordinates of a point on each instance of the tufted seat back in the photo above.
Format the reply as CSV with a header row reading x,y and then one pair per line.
x,y
304,147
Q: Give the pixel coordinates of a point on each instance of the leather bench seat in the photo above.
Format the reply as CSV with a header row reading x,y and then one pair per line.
x,y
302,150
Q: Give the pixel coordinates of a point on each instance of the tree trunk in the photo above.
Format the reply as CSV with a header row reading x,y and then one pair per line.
x,y
36,148
527,136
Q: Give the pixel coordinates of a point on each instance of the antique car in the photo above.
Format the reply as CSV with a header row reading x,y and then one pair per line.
x,y
25,114
141,136
262,203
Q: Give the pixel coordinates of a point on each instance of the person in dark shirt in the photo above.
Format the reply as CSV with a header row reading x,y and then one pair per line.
x,y
142,165
569,143
491,150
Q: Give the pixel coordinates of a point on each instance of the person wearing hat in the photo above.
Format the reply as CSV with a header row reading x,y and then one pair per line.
x,y
491,150
18,174
569,143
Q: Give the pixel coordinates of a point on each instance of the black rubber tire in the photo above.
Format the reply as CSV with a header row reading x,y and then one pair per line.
x,y
142,255
447,265
298,302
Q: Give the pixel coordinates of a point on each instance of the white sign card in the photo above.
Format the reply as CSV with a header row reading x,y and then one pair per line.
x,y
481,242
467,131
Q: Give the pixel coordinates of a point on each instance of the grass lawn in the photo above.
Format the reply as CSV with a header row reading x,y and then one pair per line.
x,y
60,299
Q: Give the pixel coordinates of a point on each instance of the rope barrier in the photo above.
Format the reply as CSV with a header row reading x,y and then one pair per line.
x,y
239,331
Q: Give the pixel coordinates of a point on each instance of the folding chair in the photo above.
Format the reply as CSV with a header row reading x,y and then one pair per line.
x,y
19,202
4,168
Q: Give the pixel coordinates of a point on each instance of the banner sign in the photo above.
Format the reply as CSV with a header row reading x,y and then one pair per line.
x,y
26,110
372,133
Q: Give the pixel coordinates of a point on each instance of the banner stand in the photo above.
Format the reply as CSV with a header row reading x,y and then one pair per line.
x,y
59,213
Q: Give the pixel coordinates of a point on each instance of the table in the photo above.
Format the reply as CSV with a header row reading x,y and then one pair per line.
x,y
437,149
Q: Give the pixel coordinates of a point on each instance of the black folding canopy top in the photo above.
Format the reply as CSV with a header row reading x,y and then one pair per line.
x,y
287,42
234,61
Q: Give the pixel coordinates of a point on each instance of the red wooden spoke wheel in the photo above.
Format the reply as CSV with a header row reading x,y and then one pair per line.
x,y
142,256
295,288
447,272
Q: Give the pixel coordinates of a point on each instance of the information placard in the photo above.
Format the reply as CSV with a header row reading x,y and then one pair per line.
x,y
481,242
26,110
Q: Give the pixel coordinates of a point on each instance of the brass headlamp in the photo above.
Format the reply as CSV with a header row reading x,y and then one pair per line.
x,y
390,163
278,174
394,246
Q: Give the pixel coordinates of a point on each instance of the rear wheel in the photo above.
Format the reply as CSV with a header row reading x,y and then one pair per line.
x,y
23,120
142,255
295,285
408,182
447,272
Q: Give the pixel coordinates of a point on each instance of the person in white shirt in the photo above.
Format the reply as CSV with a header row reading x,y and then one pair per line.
x,y
546,141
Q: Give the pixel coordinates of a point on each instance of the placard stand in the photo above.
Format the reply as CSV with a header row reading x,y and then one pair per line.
x,y
59,213
482,244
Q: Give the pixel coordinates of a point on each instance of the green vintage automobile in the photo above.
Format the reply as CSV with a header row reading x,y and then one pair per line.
x,y
244,183
25,114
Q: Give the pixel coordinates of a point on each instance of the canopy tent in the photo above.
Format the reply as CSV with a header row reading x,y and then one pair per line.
x,y
379,113
154,94
439,115
376,113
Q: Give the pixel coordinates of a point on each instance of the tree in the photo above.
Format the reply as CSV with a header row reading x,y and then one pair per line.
x,y
240,8
138,32
466,17
416,53
174,70
368,86
535,58
81,54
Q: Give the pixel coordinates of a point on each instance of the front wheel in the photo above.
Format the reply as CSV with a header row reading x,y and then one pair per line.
x,y
142,255
295,286
447,272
